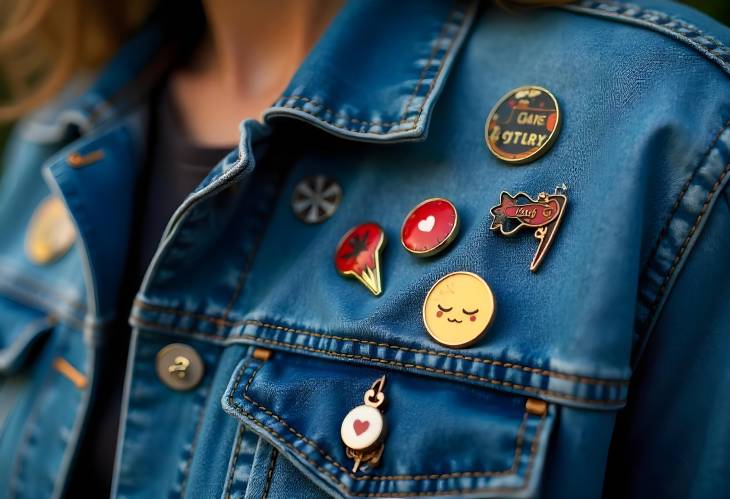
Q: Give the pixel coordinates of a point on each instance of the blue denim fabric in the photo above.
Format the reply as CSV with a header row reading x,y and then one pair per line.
x,y
623,331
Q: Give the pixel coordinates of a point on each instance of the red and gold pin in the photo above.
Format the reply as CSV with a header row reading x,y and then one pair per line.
x,y
520,211
430,227
358,255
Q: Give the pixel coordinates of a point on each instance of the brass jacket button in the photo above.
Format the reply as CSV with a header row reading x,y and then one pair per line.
x,y
51,232
179,366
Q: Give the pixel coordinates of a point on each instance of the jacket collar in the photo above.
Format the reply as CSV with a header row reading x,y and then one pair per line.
x,y
376,73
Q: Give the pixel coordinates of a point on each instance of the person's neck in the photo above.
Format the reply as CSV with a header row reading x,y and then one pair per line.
x,y
247,57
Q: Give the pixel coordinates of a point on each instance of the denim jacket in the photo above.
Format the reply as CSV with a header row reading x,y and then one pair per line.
x,y
603,373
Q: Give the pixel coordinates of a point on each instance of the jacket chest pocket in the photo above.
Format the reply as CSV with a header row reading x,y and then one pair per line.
x,y
442,438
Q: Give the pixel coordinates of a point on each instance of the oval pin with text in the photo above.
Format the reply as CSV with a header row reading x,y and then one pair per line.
x,y
523,125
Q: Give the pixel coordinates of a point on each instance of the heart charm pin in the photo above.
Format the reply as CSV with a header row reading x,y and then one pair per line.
x,y
363,428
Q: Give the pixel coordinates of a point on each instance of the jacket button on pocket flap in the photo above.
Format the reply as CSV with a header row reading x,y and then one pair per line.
x,y
444,438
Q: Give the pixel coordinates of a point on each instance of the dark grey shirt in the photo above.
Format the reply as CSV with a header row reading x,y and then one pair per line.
x,y
175,166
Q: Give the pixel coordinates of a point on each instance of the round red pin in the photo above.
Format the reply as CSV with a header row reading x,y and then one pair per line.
x,y
430,227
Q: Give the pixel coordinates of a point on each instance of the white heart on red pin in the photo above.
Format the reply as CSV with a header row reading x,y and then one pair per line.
x,y
426,225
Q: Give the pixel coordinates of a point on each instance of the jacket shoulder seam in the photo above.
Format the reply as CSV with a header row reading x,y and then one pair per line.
x,y
662,22
680,232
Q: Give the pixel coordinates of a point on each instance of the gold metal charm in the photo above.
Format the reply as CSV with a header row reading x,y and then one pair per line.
x,y
363,428
458,309
523,125
51,232
543,214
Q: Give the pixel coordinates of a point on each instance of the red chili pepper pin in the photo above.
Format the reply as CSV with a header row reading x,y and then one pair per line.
x,y
543,214
358,255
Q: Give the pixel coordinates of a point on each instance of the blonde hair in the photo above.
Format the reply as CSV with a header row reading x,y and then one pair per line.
x,y
44,43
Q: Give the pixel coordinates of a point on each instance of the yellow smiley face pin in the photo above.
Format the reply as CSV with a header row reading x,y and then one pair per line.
x,y
458,309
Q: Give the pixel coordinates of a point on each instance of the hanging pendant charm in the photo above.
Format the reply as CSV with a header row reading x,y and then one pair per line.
x,y
543,214
363,428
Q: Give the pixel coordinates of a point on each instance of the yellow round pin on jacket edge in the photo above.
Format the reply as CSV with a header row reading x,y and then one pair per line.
x,y
51,233
458,309
523,125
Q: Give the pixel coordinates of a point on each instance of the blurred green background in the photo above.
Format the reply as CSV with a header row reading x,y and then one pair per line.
x,y
719,9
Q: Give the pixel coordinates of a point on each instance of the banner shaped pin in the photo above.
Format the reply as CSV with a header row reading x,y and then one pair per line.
x,y
520,211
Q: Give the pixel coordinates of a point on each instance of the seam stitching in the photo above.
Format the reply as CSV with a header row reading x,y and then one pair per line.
x,y
444,58
277,436
473,377
27,335
422,76
270,472
276,183
194,442
331,111
383,478
24,281
688,237
459,8
496,363
257,340
234,460
665,229
481,360
684,31
27,430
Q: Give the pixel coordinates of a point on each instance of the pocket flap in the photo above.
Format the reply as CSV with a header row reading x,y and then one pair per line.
x,y
20,328
443,438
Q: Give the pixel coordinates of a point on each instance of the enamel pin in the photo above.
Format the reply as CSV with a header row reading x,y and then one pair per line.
x,y
363,428
523,125
358,255
458,309
430,227
315,199
51,232
543,214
